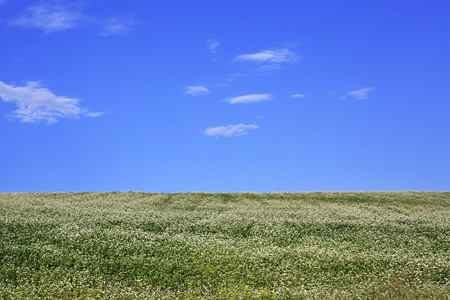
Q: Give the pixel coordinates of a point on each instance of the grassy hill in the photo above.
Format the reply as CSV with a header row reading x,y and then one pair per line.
x,y
369,245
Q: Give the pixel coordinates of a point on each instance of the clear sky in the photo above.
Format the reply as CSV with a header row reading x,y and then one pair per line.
x,y
224,96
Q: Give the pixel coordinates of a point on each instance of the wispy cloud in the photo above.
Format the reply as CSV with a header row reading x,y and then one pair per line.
x,y
359,94
269,59
53,15
298,96
38,104
196,90
2,2
230,130
50,17
118,25
249,98
212,45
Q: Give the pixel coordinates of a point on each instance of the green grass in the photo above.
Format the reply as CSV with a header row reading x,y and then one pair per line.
x,y
371,245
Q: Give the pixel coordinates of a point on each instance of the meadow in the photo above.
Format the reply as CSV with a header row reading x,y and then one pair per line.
x,y
365,245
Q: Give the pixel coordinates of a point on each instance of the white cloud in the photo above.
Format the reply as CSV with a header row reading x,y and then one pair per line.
x,y
54,15
359,94
230,130
93,114
196,90
298,96
117,25
270,59
249,98
50,17
212,45
36,104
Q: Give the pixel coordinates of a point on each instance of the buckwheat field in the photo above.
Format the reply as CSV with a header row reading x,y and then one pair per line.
x,y
368,245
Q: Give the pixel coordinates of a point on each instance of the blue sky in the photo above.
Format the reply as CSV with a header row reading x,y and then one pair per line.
x,y
260,96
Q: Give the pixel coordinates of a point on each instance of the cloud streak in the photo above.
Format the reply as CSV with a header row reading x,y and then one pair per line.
x,y
196,91
38,104
230,130
117,26
249,98
52,16
212,45
269,59
359,94
298,96
49,17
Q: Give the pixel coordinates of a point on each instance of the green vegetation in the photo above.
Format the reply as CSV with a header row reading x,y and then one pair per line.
x,y
371,245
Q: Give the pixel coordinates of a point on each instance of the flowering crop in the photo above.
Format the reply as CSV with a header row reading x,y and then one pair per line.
x,y
370,245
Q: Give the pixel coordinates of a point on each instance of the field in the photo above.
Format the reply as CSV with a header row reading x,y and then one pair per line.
x,y
369,245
